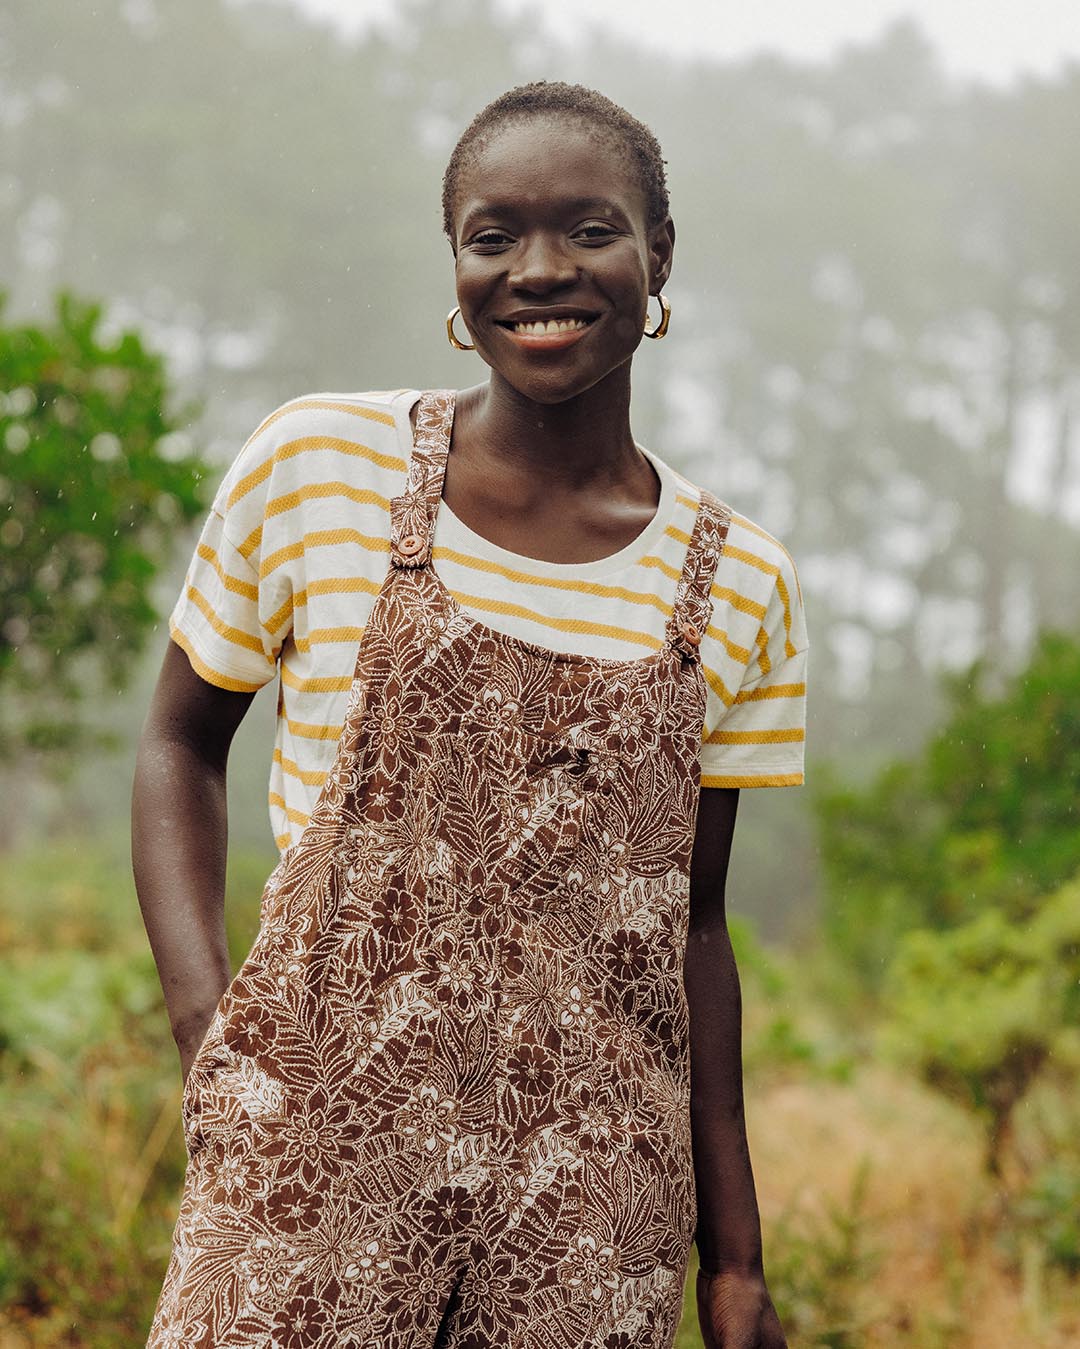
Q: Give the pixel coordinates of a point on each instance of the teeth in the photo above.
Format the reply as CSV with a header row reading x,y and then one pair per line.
x,y
550,326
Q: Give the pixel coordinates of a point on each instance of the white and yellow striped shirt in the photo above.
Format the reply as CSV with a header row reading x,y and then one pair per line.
x,y
296,547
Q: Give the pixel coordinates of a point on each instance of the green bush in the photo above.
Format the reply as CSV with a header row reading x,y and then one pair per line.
x,y
979,1009
90,1131
987,817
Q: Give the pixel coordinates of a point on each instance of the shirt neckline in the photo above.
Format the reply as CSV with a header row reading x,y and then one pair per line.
x,y
452,532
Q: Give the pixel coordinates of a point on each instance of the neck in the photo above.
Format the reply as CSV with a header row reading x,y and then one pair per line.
x,y
585,437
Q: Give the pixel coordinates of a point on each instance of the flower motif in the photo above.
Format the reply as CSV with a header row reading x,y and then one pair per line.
x,y
600,1125
428,1118
576,1009
318,1138
460,976
266,1268
628,954
252,1031
497,1295
450,1209
368,1262
395,917
299,1324
611,868
233,1172
591,1266
531,1070
292,1207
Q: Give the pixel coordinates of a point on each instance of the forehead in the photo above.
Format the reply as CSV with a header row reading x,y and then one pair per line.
x,y
547,160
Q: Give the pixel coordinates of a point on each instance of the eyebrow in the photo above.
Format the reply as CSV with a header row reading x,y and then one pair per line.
x,y
572,206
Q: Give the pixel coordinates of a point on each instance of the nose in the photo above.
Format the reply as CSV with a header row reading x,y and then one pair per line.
x,y
542,263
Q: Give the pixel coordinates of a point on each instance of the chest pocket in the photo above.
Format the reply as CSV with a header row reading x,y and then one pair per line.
x,y
510,807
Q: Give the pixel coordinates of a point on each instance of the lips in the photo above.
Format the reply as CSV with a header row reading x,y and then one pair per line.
x,y
539,331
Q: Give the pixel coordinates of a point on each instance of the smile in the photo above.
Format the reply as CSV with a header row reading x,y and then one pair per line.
x,y
548,327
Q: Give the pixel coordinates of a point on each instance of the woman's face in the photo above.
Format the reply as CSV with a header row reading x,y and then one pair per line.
x,y
554,261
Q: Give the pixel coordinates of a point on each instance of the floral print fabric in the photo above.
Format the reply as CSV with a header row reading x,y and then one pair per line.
x,y
445,1100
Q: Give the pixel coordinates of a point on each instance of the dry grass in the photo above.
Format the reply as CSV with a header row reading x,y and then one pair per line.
x,y
880,1224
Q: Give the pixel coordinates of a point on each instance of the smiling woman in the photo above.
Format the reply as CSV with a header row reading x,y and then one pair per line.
x,y
478,1081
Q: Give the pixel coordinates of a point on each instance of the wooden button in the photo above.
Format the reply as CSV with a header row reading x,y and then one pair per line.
x,y
410,545
691,634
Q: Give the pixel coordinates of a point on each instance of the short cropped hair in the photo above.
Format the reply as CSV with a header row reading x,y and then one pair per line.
x,y
556,99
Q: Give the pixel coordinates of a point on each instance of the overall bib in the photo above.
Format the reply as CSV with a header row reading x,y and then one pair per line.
x,y
445,1102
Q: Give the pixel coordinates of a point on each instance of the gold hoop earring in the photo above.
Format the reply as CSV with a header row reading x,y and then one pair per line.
x,y
665,318
455,341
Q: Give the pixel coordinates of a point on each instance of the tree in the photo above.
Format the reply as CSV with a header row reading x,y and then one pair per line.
x,y
95,478
987,817
981,1009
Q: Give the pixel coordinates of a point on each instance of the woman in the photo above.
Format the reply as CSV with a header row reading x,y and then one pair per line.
x,y
446,1099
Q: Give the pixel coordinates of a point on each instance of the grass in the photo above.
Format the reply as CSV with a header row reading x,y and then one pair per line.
x,y
881,1226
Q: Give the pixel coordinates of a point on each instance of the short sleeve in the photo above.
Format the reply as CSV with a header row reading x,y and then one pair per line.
x,y
229,620
756,738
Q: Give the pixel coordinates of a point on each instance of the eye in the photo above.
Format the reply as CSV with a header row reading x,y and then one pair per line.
x,y
595,232
490,239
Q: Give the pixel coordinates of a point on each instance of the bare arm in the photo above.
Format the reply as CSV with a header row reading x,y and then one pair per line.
x,y
733,1303
179,832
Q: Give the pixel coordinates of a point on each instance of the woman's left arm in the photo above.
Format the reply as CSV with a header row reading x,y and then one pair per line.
x,y
734,1306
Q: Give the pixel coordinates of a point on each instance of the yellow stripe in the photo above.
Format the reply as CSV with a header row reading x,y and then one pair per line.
x,y
740,780
323,538
301,404
321,636
231,634
312,731
320,491
283,841
736,652
739,602
718,686
761,641
771,691
310,777
329,585
293,816
752,560
782,591
669,571
317,684
559,624
204,671
307,444
554,582
791,736
238,587
749,525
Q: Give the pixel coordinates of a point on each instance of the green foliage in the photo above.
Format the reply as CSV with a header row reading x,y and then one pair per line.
x,y
980,1008
988,816
95,478
1049,1210
90,1136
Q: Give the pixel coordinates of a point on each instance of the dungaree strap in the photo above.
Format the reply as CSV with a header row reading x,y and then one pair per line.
x,y
692,610
412,515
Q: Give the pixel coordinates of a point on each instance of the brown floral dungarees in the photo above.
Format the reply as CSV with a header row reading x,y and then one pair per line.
x,y
445,1100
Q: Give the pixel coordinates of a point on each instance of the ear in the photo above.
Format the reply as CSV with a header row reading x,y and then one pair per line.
x,y
661,253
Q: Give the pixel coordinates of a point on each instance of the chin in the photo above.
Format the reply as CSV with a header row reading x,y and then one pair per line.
x,y
550,388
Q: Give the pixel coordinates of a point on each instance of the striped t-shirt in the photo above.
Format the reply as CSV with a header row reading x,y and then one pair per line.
x,y
296,547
